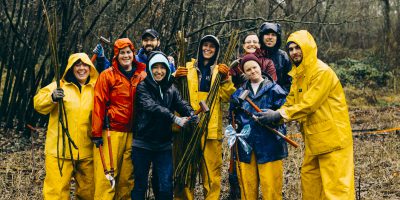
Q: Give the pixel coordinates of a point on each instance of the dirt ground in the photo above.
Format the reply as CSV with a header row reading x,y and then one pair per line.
x,y
377,160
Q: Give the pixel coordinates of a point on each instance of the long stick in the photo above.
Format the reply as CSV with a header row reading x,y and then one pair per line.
x,y
237,156
61,109
288,140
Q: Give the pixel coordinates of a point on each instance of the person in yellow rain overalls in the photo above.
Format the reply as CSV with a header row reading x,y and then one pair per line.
x,y
317,101
114,95
200,74
76,92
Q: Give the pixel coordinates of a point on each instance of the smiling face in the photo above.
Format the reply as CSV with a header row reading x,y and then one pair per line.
x,y
252,70
270,39
150,43
251,43
208,49
81,72
295,53
125,58
159,71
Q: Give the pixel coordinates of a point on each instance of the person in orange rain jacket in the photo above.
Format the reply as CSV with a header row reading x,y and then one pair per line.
x,y
114,96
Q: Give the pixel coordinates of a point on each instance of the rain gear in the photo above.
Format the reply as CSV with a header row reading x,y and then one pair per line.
x,y
266,146
317,101
279,57
263,165
155,105
78,103
115,93
213,149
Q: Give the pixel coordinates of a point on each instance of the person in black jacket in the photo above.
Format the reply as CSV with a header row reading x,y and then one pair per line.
x,y
270,38
156,101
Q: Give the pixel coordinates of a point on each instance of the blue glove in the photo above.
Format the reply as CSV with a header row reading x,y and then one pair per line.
x,y
97,141
99,50
268,116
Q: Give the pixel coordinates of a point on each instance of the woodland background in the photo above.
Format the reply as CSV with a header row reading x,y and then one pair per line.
x,y
359,39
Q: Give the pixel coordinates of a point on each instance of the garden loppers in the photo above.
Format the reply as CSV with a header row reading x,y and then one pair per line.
x,y
107,124
106,172
109,174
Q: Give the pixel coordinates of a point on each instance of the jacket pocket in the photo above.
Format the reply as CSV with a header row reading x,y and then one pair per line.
x,y
322,137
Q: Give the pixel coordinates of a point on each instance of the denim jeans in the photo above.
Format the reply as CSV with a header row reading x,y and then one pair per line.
x,y
162,166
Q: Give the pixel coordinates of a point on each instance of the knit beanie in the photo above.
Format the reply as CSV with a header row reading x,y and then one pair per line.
x,y
249,57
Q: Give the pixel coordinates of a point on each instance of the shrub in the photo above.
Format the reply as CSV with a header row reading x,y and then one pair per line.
x,y
361,73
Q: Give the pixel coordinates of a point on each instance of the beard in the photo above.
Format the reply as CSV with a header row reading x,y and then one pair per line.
x,y
149,48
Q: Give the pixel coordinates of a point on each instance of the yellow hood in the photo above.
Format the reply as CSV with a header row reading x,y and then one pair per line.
x,y
308,47
85,59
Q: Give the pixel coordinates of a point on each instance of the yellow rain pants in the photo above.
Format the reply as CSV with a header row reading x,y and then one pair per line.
x,y
123,168
57,187
328,176
268,175
210,172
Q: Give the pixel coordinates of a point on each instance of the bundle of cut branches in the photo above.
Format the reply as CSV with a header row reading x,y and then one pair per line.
x,y
62,114
183,138
188,167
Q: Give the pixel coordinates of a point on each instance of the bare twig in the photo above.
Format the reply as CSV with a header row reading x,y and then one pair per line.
x,y
135,19
88,31
277,20
13,28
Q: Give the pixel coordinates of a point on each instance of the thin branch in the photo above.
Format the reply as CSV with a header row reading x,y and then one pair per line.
x,y
96,19
312,8
13,28
135,19
276,20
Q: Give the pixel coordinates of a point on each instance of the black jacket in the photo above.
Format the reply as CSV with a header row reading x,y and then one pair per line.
x,y
154,114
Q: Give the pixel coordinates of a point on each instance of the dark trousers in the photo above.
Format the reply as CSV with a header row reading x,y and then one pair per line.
x,y
162,166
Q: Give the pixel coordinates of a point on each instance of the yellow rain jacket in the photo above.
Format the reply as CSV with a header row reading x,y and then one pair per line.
x,y
317,101
78,107
225,91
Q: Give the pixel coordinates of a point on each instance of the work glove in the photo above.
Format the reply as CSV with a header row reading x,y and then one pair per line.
x,y
171,60
97,141
194,119
180,121
57,94
223,70
181,72
99,50
268,116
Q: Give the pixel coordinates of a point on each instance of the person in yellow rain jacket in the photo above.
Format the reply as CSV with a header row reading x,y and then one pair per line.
x,y
76,91
317,101
201,73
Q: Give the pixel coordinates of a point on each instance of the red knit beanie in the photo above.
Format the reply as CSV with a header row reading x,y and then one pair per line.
x,y
249,57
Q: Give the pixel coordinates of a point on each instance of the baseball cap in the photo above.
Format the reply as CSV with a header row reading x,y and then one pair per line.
x,y
150,32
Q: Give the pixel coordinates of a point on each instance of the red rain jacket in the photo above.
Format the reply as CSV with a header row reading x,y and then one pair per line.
x,y
115,93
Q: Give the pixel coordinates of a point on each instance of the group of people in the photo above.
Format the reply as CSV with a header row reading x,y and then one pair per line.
x,y
128,110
